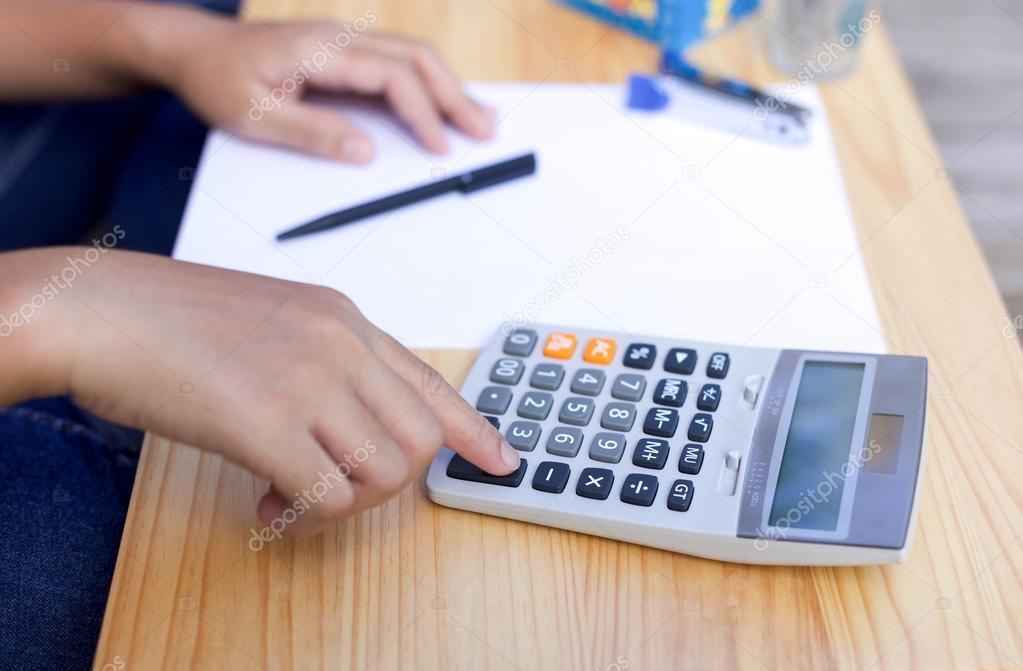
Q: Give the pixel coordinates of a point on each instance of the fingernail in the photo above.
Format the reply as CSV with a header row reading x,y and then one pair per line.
x,y
356,150
509,455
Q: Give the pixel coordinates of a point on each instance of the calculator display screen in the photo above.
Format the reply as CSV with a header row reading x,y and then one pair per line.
x,y
816,459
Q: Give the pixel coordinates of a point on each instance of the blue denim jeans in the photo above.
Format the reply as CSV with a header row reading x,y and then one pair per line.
x,y
65,482
69,173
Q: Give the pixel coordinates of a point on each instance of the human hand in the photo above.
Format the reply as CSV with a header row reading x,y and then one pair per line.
x,y
288,380
250,78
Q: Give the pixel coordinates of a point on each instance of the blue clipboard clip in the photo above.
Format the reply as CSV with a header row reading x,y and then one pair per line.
x,y
725,104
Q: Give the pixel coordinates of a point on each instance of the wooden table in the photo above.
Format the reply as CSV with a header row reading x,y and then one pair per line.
x,y
415,586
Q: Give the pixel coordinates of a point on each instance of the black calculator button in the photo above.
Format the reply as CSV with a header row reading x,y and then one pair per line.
x,y
595,483
535,405
494,421
628,387
671,391
587,381
520,342
494,400
523,435
640,355
639,489
691,459
507,371
618,416
710,396
717,367
650,453
661,422
551,476
681,495
700,427
564,441
576,410
460,469
680,360
547,376
608,447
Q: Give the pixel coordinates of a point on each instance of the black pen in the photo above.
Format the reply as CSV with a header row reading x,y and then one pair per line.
x,y
467,182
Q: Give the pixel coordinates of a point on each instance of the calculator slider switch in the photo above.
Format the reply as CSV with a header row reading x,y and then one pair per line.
x,y
751,387
729,473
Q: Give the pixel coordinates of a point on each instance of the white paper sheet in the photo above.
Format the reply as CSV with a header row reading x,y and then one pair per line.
x,y
641,223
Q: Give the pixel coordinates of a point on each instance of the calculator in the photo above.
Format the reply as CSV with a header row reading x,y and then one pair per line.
x,y
743,454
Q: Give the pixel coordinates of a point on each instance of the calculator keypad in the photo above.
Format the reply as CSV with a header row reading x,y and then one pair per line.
x,y
607,446
576,410
612,421
460,469
671,391
520,342
661,422
507,371
640,355
547,376
700,427
629,387
494,400
560,346
651,453
717,367
680,360
710,396
551,476
618,416
535,405
691,459
523,435
639,489
595,483
588,381
565,441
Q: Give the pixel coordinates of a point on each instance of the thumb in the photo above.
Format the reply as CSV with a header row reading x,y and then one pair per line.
x,y
314,130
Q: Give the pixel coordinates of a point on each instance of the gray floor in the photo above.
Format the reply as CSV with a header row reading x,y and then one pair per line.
x,y
965,58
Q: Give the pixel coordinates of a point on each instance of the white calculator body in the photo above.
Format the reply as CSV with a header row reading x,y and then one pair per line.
x,y
743,454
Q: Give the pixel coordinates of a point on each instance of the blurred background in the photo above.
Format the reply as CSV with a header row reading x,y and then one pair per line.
x,y
965,59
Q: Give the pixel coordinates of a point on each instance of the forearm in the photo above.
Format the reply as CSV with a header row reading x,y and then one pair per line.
x,y
38,324
52,49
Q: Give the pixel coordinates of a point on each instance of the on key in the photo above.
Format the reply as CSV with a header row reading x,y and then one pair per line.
x,y
460,469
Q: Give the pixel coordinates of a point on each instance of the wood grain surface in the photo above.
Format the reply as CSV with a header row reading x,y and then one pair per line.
x,y
415,586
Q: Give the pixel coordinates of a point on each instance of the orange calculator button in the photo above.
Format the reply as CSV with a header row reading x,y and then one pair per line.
x,y
600,350
559,345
